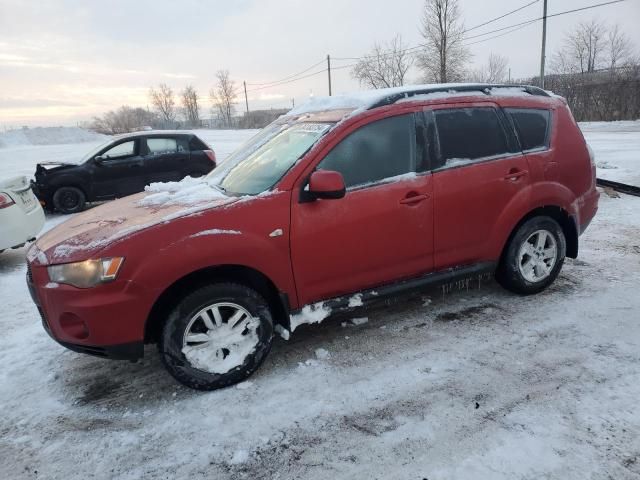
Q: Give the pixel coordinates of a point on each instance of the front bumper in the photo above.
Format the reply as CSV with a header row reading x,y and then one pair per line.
x,y
106,321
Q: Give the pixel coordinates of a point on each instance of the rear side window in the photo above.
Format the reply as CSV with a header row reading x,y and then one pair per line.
x,y
532,127
196,144
379,150
467,134
159,145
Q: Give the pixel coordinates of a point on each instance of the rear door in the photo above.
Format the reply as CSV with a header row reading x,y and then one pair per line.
x,y
165,158
381,231
118,170
478,171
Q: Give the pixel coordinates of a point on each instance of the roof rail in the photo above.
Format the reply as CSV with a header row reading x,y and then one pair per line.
x,y
484,88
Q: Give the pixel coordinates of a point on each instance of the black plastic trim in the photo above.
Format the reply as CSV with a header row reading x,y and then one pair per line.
x,y
433,279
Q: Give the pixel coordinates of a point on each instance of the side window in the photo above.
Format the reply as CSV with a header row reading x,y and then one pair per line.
x,y
532,126
379,150
121,150
159,146
467,134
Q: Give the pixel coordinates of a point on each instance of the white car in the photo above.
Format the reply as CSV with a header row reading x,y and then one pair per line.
x,y
21,215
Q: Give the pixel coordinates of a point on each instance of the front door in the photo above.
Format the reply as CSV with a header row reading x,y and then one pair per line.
x,y
478,172
119,171
381,231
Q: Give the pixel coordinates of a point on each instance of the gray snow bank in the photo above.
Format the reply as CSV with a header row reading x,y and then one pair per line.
x,y
48,136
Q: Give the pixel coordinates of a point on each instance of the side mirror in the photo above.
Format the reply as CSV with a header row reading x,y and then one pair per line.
x,y
326,185
99,159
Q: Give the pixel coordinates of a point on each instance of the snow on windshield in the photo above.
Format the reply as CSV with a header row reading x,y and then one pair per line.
x,y
261,169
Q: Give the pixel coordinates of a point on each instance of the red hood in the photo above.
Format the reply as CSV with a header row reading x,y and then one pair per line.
x,y
89,232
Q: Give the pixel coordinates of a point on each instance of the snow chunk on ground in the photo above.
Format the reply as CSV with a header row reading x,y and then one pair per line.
x,y
244,385
283,332
239,456
310,314
322,354
356,300
216,231
187,191
355,322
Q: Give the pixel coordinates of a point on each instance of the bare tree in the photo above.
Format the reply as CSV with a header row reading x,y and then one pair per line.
x,y
223,97
189,98
124,120
495,71
385,66
444,56
583,49
163,101
619,48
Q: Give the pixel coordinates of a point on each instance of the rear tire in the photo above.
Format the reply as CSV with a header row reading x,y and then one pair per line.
x,y
69,200
216,336
534,256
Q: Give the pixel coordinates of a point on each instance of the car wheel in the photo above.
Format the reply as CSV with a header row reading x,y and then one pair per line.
x,y
216,336
197,174
69,200
534,256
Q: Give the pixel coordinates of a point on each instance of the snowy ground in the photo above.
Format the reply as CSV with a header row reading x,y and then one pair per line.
x,y
478,384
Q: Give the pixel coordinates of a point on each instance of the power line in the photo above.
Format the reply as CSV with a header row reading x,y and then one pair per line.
x,y
289,81
422,45
509,29
548,16
504,33
287,77
501,16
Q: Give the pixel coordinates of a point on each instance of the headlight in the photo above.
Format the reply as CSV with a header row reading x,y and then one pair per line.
x,y
86,274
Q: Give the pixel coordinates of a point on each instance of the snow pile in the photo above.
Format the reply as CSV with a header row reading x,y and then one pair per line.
x,y
355,301
310,314
48,136
187,191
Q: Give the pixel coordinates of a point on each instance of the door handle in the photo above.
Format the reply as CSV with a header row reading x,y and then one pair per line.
x,y
412,200
515,174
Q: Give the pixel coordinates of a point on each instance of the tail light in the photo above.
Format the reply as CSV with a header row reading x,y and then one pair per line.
x,y
5,201
211,156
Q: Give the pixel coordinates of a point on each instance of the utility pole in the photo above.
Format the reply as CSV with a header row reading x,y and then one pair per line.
x,y
246,100
509,74
544,44
293,103
329,71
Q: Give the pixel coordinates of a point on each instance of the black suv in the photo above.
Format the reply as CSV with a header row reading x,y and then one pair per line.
x,y
122,167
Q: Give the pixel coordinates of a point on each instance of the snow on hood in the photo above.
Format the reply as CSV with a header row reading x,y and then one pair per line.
x,y
88,232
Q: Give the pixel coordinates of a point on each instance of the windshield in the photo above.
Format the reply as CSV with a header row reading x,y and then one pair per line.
x,y
94,151
262,161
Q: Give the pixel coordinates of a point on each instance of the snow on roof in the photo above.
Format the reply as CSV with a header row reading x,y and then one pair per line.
x,y
368,98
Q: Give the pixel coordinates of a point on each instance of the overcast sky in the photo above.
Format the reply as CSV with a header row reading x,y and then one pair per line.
x,y
63,61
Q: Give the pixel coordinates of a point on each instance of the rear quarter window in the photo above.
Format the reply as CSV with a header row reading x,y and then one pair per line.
x,y
196,144
532,127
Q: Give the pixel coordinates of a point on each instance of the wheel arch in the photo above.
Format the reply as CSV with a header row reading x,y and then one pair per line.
x,y
278,302
560,215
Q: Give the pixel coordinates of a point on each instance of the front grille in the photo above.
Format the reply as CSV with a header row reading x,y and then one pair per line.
x,y
29,274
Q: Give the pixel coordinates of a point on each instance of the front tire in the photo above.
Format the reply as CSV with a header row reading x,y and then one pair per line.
x,y
69,200
216,336
533,257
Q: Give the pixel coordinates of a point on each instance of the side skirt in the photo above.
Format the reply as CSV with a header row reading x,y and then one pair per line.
x,y
433,279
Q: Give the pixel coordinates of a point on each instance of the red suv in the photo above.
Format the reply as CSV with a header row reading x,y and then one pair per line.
x,y
345,200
